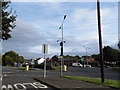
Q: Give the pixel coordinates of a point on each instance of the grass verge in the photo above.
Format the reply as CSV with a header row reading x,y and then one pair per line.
x,y
23,68
109,83
56,68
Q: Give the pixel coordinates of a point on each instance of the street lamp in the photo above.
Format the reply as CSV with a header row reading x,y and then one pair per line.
x,y
86,52
61,44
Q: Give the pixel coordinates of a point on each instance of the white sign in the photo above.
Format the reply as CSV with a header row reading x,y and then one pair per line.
x,y
22,86
41,60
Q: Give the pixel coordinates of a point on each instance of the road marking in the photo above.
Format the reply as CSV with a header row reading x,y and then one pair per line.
x,y
7,72
1,78
30,84
19,84
10,87
22,86
40,85
24,75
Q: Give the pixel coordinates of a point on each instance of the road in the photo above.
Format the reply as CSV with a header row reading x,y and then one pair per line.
x,y
26,79
22,80
109,73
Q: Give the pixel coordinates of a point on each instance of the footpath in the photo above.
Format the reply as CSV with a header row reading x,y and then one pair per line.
x,y
62,83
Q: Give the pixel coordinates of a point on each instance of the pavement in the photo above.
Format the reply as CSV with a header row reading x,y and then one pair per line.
x,y
62,83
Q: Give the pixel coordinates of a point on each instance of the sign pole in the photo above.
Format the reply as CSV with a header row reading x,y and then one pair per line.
x,y
44,51
44,67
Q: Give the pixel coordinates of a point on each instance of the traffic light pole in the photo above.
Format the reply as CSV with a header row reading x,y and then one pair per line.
x,y
61,44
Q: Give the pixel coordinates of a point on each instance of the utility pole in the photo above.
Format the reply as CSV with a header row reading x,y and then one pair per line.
x,y
61,44
100,42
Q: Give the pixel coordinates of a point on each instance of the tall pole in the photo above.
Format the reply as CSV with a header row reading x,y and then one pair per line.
x,y
86,53
61,44
100,42
44,67
44,51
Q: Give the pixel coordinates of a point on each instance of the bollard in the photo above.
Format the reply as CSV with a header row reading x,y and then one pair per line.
x,y
65,68
27,67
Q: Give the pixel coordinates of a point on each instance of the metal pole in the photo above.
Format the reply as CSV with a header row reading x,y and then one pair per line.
x,y
100,41
86,55
61,44
44,67
62,50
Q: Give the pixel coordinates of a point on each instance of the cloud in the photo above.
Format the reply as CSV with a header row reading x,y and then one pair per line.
x,y
80,29
63,0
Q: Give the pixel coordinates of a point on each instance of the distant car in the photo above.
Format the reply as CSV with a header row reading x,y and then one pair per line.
x,y
77,65
106,66
85,65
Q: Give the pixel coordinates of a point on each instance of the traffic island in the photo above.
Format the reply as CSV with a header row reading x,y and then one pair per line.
x,y
66,83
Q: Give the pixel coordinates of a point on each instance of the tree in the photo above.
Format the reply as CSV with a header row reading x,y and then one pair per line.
x,y
15,57
110,54
21,59
9,60
8,20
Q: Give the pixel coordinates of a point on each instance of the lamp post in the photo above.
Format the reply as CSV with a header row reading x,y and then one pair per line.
x,y
86,52
61,44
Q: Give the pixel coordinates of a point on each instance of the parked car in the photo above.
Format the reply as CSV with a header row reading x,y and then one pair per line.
x,y
77,65
87,65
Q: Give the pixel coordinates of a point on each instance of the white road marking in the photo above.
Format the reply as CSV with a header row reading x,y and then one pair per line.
x,y
30,84
7,72
22,86
1,78
19,84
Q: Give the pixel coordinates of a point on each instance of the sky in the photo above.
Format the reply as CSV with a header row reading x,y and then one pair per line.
x,y
38,23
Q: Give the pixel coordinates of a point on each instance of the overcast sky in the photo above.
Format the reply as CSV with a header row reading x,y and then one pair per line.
x,y
38,23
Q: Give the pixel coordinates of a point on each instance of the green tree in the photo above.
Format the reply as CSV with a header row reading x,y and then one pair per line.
x,y
21,59
110,54
8,20
96,57
77,56
13,55
9,60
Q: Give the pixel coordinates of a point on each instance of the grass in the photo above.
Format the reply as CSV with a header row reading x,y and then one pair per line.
x,y
56,68
23,68
107,82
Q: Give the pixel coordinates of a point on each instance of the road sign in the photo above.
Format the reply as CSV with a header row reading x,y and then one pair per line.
x,y
83,59
45,48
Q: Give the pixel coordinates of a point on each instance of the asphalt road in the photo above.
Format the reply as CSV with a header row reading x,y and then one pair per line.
x,y
26,79
73,71
109,73
22,80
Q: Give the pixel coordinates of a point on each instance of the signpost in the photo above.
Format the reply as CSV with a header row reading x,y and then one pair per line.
x,y
44,51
